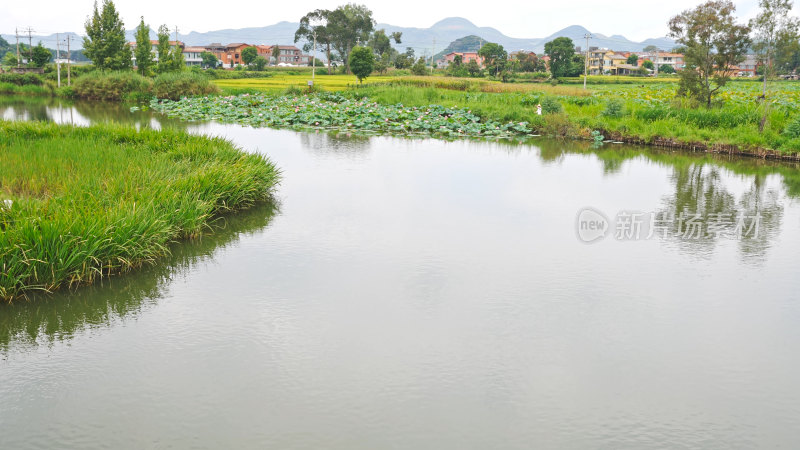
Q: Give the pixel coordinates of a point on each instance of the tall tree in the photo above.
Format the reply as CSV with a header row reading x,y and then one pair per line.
x,y
560,50
209,60
381,44
350,25
176,58
633,59
144,50
276,52
162,51
105,41
773,29
494,57
315,24
249,54
713,43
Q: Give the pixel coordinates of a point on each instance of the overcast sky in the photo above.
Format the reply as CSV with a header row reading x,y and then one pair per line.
x,y
634,19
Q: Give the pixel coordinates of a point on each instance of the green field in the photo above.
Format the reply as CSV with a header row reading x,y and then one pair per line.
x,y
280,82
78,204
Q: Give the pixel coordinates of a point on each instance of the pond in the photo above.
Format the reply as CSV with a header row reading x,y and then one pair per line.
x,y
431,294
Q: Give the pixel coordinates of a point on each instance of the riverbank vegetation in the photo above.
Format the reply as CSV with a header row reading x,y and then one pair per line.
x,y
78,204
740,119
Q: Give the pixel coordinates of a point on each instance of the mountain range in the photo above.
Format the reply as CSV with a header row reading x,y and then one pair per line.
x,y
422,40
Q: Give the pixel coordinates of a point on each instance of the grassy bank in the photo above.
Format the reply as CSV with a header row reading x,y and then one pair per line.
x,y
77,204
646,113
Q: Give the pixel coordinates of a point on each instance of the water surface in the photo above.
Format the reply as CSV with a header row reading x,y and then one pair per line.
x,y
429,294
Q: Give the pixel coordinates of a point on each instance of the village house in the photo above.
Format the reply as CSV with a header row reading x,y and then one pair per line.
x,y
748,67
674,60
466,57
229,55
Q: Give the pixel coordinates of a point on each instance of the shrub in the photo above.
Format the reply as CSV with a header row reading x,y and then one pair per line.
x,y
551,106
614,108
793,129
530,100
21,79
115,86
175,85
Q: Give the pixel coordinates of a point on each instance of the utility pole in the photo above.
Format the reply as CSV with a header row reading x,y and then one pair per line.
x,y
69,63
314,59
19,61
586,64
433,55
58,58
30,45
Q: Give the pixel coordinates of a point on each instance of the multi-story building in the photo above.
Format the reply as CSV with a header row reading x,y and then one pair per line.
x,y
229,55
748,67
192,55
596,63
674,60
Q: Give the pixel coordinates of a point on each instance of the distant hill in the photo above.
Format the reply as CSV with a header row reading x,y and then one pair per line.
x,y
422,40
470,43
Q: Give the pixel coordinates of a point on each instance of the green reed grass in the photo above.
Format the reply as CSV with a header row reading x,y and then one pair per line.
x,y
89,202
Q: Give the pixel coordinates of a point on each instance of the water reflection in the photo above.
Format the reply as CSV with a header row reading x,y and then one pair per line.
x,y
81,113
46,318
335,143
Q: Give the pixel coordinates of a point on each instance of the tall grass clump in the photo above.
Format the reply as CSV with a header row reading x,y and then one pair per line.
x,y
78,204
175,85
793,129
113,86
24,89
21,79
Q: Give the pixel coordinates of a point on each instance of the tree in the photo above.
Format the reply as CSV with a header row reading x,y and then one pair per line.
x,y
713,43
176,59
276,52
259,63
773,29
529,62
144,50
405,60
41,56
577,67
633,59
209,60
10,59
650,49
474,69
561,51
647,64
162,51
666,68
105,42
249,54
382,46
362,61
419,67
494,57
315,24
349,25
